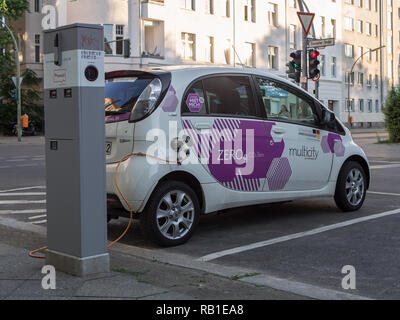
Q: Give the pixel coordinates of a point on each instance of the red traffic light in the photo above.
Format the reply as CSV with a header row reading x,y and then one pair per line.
x,y
314,54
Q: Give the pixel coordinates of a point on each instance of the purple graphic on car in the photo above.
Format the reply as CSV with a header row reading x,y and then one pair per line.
x,y
279,174
194,102
239,153
333,143
170,102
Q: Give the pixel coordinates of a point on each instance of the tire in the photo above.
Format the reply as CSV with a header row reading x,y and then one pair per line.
x,y
351,187
171,215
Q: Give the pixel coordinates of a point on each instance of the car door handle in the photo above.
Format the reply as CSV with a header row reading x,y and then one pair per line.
x,y
200,126
278,130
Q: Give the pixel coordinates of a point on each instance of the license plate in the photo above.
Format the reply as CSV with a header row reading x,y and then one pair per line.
x,y
108,148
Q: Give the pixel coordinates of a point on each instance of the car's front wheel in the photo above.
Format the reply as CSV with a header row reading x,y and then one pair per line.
x,y
172,214
351,187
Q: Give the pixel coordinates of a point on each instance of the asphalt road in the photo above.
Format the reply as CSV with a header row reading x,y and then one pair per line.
x,y
307,241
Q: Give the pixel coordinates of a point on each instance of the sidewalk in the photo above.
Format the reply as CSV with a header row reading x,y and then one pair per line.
x,y
131,277
24,140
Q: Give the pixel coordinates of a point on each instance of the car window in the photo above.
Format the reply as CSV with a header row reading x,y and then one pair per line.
x,y
194,101
279,103
229,95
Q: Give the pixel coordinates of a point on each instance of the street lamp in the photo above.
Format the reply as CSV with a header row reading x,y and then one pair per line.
x,y
351,71
17,80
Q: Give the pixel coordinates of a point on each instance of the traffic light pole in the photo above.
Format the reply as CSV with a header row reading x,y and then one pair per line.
x,y
304,84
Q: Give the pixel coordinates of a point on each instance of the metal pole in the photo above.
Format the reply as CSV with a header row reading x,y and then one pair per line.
x,y
17,83
304,85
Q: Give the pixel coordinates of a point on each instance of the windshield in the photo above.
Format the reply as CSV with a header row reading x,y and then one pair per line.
x,y
120,96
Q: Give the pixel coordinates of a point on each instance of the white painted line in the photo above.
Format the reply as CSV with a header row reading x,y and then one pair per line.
x,y
5,167
25,188
37,217
22,194
26,165
289,237
39,222
16,160
2,212
385,166
385,193
21,201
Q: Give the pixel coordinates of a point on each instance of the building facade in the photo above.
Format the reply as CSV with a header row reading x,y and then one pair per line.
x,y
241,33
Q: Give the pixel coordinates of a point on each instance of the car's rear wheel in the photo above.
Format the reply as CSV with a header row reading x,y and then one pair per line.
x,y
172,214
351,187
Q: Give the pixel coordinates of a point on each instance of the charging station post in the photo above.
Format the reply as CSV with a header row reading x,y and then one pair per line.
x,y
75,149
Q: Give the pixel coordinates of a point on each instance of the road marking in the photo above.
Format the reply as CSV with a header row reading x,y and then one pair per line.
x,y
5,167
385,193
3,194
37,217
21,201
2,212
16,160
385,166
260,244
39,222
27,165
25,188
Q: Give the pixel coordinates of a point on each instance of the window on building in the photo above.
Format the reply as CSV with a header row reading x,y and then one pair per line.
x,y
368,4
119,37
292,3
368,27
369,105
229,95
292,36
359,26
389,44
360,3
188,46
249,10
323,65
360,79
360,52
377,106
226,7
349,78
349,50
350,105
273,57
369,55
210,49
333,67
349,23
227,51
37,5
361,105
37,48
323,27
376,81
250,59
348,1
389,20
375,5
333,28
273,14
376,31
390,68
209,6
187,4
154,38
108,38
369,81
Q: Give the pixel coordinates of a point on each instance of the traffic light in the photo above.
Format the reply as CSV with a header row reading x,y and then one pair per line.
x,y
14,94
294,66
127,48
313,63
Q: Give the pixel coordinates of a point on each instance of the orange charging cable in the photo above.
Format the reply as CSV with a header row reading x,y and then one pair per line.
x,y
32,254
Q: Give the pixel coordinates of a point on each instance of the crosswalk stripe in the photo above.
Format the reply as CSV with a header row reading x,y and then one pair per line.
x,y
25,188
23,194
21,201
32,211
37,217
39,222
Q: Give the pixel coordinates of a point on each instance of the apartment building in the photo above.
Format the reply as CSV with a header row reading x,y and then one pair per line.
x,y
241,33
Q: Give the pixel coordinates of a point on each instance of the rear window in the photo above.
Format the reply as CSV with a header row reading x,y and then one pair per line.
x,y
121,95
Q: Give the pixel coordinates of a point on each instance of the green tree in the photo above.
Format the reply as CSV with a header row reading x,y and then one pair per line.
x,y
392,114
12,10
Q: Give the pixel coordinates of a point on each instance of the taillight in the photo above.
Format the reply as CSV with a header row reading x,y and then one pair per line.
x,y
146,101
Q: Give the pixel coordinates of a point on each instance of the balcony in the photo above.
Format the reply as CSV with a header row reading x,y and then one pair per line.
x,y
153,10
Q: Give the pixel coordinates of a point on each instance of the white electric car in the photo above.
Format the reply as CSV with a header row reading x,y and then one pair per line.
x,y
207,138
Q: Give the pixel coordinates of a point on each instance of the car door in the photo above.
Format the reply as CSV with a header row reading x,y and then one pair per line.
x,y
221,116
292,120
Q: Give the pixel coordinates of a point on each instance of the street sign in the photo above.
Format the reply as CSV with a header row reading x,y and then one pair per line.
x,y
14,79
306,20
321,43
